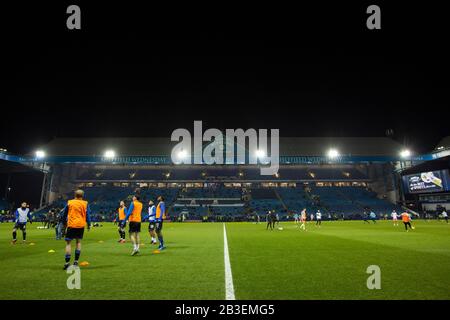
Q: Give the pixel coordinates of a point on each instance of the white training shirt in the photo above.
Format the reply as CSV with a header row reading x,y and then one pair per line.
x,y
394,215
22,215
444,214
152,214
318,215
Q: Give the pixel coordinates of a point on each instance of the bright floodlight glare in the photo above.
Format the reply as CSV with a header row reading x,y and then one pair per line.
x,y
260,154
405,153
182,154
40,154
333,153
110,154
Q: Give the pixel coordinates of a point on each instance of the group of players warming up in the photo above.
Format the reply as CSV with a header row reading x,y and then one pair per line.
x,y
133,214
77,215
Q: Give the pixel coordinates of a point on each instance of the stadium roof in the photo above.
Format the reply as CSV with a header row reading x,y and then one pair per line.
x,y
289,146
13,167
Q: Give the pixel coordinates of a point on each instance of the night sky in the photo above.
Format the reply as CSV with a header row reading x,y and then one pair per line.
x,y
145,71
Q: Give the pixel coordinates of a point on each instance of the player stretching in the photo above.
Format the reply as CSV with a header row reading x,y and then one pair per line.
x,y
22,215
303,219
152,221
406,218
76,214
318,218
121,215
134,226
159,218
394,216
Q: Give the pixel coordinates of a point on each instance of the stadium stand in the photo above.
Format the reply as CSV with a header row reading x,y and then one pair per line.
x,y
193,174
215,200
306,178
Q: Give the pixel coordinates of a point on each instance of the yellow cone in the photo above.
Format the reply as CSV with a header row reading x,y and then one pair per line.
x,y
156,251
101,241
51,251
32,243
84,264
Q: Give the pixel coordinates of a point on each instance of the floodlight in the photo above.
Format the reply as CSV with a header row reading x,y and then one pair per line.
x,y
333,153
260,154
40,154
110,154
405,153
182,154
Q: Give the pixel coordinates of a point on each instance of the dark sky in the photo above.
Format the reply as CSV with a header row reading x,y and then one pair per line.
x,y
145,71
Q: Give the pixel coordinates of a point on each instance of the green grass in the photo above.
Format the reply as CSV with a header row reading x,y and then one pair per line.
x,y
325,263
191,267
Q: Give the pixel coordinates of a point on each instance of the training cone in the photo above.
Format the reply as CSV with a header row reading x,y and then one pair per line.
x,y
156,251
32,243
84,264
101,241
142,245
51,251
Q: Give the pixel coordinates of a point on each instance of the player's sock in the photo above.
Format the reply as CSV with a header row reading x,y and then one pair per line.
x,y
161,241
14,235
67,257
77,254
24,236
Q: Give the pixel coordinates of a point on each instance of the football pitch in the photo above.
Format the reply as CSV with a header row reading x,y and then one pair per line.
x,y
323,263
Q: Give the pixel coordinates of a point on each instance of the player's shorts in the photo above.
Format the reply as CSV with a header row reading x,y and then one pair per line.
x,y
134,227
74,233
152,225
395,218
20,225
122,224
158,226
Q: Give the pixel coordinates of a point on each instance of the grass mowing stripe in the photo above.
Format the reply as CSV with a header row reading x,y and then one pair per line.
x,y
229,288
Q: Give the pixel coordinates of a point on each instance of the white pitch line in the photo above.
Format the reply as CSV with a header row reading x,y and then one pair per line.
x,y
229,288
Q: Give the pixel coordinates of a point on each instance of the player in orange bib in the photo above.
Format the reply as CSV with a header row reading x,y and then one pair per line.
x,y
121,217
406,218
134,214
76,214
